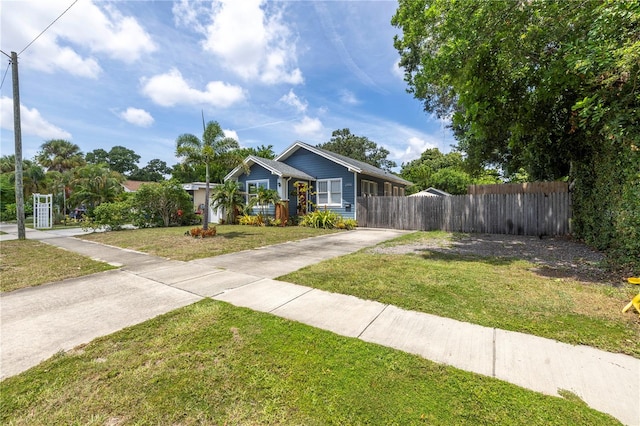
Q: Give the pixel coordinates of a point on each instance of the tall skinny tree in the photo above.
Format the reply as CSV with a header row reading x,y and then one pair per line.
x,y
214,149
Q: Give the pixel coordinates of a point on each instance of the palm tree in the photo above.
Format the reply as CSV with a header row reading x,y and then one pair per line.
x,y
263,198
60,155
94,184
33,177
229,197
214,149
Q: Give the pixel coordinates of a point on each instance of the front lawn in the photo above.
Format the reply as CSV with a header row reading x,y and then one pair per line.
x,y
172,243
29,263
211,363
489,291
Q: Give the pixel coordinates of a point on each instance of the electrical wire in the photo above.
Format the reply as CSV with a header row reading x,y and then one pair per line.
x,y
5,75
45,30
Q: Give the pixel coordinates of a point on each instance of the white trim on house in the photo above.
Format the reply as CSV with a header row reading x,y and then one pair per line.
x,y
257,183
354,207
329,193
369,187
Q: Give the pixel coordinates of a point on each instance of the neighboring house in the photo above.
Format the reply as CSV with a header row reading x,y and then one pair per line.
x,y
431,192
196,190
132,185
335,181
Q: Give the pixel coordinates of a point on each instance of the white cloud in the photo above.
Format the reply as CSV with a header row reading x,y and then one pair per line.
x,y
249,37
172,89
308,127
397,71
85,30
348,97
31,122
414,147
136,116
231,134
293,100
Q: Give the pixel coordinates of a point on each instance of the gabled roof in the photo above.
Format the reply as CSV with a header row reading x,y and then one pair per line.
x,y
132,185
351,164
431,192
275,167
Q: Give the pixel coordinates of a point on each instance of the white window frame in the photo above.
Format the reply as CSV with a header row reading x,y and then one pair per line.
x,y
387,189
395,191
402,191
369,188
329,194
257,183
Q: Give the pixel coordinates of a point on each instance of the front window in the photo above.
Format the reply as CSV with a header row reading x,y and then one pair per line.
x,y
252,188
369,187
329,192
387,189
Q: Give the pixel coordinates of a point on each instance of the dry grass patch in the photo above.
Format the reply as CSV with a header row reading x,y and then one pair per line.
x,y
173,243
30,263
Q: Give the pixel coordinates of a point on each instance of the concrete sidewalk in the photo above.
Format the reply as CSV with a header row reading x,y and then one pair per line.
x,y
38,322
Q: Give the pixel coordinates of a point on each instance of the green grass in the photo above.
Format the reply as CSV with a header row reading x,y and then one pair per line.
x,y
30,263
211,363
173,244
493,292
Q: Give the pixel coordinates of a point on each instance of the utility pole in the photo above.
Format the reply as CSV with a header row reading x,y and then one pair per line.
x,y
17,131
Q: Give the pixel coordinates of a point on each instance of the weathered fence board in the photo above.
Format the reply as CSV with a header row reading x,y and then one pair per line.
x,y
518,214
519,188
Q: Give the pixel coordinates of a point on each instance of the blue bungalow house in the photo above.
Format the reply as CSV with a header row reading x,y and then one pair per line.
x,y
323,178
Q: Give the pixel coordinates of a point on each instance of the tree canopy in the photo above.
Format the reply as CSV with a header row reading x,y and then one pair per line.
x,y
359,148
548,89
154,171
60,155
119,159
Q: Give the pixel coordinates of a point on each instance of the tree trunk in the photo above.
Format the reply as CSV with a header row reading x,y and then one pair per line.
x,y
205,214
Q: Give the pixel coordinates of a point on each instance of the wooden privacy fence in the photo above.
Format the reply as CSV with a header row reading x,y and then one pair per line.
x,y
520,214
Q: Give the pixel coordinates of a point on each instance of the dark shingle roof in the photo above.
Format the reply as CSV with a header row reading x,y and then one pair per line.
x,y
360,166
283,169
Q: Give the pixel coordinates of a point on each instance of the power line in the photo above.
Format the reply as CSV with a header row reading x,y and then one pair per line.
x,y
5,74
49,26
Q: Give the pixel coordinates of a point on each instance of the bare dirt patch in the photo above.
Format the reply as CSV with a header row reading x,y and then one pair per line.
x,y
554,257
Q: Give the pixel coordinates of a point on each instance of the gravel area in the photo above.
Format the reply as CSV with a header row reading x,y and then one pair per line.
x,y
555,257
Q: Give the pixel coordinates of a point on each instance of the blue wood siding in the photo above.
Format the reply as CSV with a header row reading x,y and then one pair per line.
x,y
258,172
321,168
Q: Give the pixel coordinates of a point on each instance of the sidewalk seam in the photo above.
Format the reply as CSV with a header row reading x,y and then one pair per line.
x,y
493,368
372,321
290,300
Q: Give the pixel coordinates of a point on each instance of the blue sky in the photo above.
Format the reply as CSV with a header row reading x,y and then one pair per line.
x,y
140,73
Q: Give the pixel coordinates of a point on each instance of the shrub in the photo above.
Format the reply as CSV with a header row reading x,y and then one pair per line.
x,y
203,233
347,224
110,216
326,219
252,220
162,204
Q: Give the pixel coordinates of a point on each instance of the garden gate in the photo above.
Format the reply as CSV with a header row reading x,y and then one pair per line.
x,y
42,211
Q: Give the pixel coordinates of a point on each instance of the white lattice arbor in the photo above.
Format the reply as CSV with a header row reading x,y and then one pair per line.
x,y
42,211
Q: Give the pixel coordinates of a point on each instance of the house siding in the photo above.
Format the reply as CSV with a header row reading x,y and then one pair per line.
x,y
321,168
